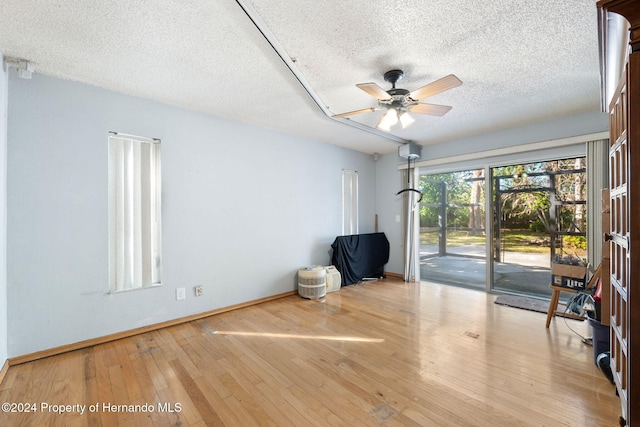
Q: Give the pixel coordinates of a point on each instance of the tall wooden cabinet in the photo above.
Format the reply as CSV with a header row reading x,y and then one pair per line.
x,y
620,68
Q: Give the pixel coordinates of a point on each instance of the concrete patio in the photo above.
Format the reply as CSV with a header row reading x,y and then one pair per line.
x,y
522,273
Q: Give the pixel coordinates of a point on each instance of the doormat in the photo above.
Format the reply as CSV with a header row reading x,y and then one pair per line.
x,y
525,303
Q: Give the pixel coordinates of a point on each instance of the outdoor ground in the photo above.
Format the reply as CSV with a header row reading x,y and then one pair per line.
x,y
524,267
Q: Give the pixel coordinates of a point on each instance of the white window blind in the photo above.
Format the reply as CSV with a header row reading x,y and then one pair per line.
x,y
134,212
349,202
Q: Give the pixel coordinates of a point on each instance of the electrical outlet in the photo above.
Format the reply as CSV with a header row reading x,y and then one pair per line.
x,y
180,294
198,290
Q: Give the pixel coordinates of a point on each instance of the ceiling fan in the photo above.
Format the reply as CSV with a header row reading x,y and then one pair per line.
x,y
399,102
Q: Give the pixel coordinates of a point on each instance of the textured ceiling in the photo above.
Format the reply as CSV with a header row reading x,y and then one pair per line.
x,y
520,61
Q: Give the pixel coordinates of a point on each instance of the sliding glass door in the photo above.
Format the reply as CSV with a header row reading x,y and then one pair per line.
x,y
537,212
538,216
452,228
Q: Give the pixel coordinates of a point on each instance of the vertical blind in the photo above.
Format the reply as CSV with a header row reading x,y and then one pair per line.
x,y
349,202
597,179
134,212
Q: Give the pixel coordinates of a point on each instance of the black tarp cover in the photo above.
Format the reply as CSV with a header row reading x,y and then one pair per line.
x,y
360,256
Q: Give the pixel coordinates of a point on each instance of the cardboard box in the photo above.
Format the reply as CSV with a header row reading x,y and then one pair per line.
x,y
568,276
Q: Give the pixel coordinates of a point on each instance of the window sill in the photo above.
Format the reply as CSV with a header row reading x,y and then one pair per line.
x,y
124,291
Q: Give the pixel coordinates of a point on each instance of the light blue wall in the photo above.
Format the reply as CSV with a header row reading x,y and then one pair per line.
x,y
389,206
243,209
579,124
3,211
388,180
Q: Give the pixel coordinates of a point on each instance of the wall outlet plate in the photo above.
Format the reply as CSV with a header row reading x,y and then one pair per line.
x,y
198,290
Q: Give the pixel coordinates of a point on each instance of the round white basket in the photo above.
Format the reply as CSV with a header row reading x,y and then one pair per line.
x,y
312,282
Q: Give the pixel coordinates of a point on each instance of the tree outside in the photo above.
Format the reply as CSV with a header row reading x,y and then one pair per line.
x,y
538,211
545,198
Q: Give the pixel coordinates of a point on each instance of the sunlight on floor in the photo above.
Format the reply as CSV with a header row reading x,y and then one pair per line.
x,y
297,336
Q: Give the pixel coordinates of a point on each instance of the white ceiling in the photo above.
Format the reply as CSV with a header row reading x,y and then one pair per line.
x,y
520,61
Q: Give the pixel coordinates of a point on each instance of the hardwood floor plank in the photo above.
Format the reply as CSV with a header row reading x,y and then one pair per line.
x,y
89,387
383,353
132,387
242,390
196,398
208,367
228,416
294,416
103,380
155,374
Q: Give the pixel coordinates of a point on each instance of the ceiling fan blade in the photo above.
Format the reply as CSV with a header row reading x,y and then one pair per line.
x,y
432,109
374,90
433,88
351,113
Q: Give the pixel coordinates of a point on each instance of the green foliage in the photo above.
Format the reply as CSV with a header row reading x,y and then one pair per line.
x,y
530,208
456,190
537,226
524,202
575,242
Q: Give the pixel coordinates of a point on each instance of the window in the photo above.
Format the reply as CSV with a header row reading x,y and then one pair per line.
x,y
349,202
134,212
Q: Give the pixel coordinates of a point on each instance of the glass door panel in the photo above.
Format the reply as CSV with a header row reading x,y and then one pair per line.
x,y
452,228
539,214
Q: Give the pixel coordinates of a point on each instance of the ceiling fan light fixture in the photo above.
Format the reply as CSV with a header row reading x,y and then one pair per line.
x,y
398,101
406,120
392,116
384,126
389,119
384,123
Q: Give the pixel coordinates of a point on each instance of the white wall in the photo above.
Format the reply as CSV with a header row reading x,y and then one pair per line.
x,y
3,211
243,209
388,181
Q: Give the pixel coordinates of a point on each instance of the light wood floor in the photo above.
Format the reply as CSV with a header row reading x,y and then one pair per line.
x,y
383,353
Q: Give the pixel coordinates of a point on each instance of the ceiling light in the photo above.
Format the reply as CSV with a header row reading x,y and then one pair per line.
x,y
384,125
406,120
392,116
389,119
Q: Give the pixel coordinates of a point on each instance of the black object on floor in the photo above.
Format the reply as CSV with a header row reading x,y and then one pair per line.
x,y
603,362
360,256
